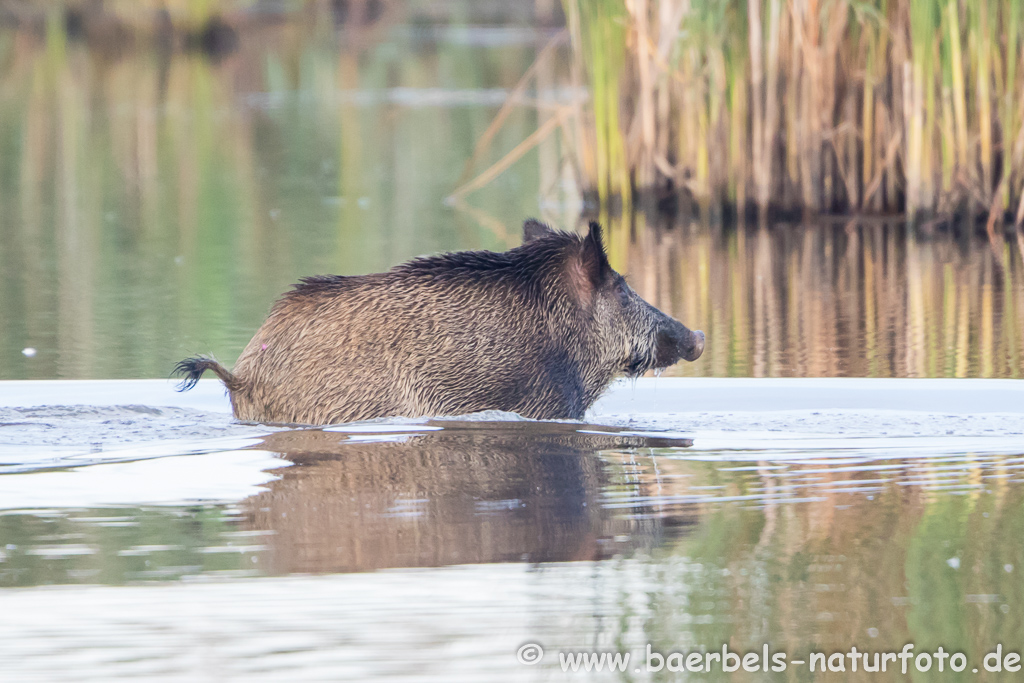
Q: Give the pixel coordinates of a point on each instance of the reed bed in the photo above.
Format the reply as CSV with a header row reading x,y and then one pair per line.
x,y
877,106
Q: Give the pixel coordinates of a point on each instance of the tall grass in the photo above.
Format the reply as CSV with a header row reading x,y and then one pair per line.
x,y
881,106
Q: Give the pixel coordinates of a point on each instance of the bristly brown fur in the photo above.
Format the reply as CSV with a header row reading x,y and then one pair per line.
x,y
539,330
193,368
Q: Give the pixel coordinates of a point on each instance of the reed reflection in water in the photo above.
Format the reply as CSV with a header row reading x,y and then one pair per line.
x,y
825,554
836,299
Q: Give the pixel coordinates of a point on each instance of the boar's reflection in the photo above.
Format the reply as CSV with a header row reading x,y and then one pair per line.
x,y
472,492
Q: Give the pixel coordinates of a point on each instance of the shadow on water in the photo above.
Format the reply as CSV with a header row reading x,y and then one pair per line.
x,y
475,492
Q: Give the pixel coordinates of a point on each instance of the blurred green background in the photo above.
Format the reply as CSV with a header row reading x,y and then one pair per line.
x,y
166,173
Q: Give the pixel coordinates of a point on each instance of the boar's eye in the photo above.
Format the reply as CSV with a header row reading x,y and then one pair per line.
x,y
622,291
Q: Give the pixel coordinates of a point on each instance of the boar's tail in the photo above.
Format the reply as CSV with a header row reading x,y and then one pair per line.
x,y
193,368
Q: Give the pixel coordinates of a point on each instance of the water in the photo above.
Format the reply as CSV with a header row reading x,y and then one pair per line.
x,y
156,205
685,514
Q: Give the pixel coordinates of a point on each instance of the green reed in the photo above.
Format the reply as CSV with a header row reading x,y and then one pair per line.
x,y
599,32
865,106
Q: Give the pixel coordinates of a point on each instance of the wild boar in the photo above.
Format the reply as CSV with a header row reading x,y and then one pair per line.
x,y
540,330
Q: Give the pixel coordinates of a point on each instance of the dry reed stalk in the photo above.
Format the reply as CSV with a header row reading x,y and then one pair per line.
x,y
643,167
1009,122
948,141
959,89
798,103
868,109
984,100
515,98
757,134
514,154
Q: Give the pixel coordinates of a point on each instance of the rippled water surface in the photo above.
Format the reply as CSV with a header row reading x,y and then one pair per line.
x,y
426,550
155,204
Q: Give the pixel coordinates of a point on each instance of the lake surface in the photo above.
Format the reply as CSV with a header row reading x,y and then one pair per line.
x,y
145,535
155,204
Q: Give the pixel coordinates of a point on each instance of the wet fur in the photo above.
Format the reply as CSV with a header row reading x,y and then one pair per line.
x,y
441,335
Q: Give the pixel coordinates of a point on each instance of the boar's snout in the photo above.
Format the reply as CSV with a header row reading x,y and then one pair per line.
x,y
677,342
697,347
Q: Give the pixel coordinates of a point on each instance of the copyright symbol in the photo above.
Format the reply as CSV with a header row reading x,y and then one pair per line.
x,y
530,654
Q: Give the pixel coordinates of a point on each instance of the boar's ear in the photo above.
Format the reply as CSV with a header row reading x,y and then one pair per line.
x,y
533,229
589,267
594,258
